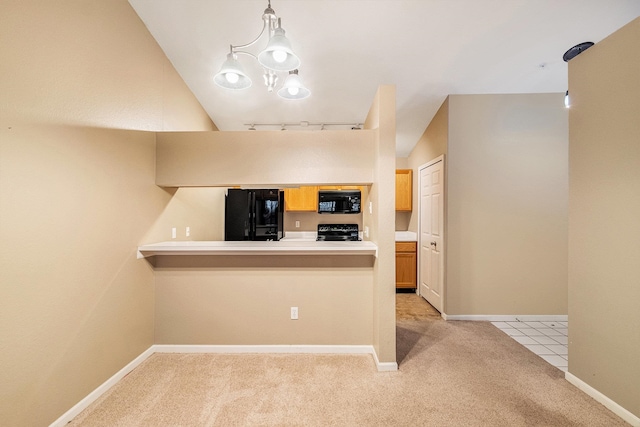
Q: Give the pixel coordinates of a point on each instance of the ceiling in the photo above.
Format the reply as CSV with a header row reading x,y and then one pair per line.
x,y
428,49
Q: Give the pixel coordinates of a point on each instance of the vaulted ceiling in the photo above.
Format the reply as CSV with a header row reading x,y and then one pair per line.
x,y
427,48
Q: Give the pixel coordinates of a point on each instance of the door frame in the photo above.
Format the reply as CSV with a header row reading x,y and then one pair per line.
x,y
440,158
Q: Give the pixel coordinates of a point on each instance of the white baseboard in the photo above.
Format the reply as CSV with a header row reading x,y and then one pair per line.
x,y
300,349
601,398
95,394
508,317
384,366
229,349
232,349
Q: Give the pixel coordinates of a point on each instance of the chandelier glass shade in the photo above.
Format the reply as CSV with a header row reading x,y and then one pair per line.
x,y
293,87
231,75
277,56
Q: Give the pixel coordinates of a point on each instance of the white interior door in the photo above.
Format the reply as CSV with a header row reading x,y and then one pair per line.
x,y
431,233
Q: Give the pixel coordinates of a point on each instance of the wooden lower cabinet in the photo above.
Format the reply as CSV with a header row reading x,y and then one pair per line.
x,y
406,265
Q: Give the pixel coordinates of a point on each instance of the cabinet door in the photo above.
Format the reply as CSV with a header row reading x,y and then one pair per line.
x,y
303,199
404,190
406,265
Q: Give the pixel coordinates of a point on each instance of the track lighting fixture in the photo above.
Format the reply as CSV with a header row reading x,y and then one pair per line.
x,y
277,56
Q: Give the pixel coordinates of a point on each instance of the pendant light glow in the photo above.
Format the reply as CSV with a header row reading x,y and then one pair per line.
x,y
293,87
231,74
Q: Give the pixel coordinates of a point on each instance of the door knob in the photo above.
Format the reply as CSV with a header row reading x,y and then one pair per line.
x,y
433,244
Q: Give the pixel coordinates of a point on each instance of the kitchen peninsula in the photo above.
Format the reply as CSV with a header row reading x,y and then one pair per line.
x,y
239,296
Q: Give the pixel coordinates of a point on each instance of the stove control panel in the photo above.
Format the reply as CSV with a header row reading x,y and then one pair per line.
x,y
338,232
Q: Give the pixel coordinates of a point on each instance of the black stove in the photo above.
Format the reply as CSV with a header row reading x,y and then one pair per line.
x,y
338,232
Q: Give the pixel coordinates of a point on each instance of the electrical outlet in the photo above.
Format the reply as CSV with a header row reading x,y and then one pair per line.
x,y
297,224
173,233
188,231
294,313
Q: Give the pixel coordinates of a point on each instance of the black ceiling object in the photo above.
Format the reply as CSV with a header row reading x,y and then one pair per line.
x,y
576,50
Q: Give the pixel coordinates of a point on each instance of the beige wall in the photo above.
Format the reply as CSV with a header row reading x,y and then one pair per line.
x,y
246,300
77,196
76,304
199,208
265,158
432,144
506,203
507,189
604,278
402,163
89,63
380,221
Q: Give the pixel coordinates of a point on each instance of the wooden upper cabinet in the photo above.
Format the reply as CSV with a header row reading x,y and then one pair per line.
x,y
341,187
404,190
303,199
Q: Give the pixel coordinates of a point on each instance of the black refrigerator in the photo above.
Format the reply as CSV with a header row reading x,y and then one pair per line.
x,y
253,214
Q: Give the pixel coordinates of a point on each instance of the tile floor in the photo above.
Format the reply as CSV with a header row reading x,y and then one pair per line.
x,y
547,339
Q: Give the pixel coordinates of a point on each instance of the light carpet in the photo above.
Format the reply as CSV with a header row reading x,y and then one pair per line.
x,y
451,374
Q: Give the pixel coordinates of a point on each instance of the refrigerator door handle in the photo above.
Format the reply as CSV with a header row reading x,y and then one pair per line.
x,y
252,213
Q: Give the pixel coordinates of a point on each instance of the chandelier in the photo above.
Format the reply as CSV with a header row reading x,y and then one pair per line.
x,y
276,57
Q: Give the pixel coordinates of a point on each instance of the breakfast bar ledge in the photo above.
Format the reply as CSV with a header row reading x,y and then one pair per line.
x,y
258,248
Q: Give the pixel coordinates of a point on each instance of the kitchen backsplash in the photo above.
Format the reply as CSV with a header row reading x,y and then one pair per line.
x,y
402,221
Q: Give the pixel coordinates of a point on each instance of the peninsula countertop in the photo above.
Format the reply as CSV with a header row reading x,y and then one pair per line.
x,y
282,247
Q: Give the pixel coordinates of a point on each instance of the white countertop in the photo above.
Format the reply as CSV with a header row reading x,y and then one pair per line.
x,y
282,247
406,236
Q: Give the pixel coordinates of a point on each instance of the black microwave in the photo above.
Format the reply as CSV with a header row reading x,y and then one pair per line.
x,y
339,201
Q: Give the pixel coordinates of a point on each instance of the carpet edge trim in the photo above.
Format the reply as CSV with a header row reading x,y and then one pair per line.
x,y
75,410
508,317
603,399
